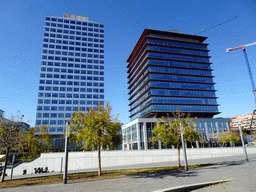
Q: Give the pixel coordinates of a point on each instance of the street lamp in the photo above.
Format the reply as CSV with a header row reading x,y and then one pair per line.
x,y
242,139
184,148
66,155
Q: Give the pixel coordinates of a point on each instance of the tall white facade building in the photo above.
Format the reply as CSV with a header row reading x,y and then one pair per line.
x,y
72,70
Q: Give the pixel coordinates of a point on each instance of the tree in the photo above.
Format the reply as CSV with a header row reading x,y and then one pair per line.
x,y
33,143
234,137
10,137
168,131
229,136
95,129
223,137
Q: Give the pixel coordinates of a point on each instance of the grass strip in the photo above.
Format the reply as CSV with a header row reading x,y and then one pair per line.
x,y
92,175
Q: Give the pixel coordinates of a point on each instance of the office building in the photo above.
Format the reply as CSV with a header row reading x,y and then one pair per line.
x,y
169,71
72,70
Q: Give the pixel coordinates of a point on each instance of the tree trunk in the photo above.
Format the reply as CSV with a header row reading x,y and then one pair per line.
x,y
5,165
99,160
178,148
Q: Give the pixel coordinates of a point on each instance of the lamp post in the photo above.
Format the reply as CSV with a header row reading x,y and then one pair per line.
x,y
66,155
242,139
184,147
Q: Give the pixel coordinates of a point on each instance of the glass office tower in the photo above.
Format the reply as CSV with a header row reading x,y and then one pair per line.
x,y
170,71
72,70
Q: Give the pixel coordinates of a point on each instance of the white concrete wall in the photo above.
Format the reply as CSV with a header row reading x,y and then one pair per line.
x,y
87,160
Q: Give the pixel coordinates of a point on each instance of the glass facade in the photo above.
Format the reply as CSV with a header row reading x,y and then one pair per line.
x,y
139,133
72,70
170,71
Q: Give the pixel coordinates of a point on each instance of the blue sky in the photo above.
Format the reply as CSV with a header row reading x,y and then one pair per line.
x,y
21,38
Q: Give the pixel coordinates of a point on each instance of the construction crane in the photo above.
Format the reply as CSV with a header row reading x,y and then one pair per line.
x,y
203,30
249,71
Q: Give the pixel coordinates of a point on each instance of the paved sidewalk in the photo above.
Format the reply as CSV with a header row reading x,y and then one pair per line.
x,y
241,172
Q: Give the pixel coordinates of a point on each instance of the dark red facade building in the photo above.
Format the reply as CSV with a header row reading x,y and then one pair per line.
x,y
170,71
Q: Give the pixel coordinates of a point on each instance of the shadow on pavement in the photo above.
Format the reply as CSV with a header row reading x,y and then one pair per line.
x,y
162,175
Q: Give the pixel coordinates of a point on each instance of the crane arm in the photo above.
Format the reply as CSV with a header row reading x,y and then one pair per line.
x,y
240,47
232,49
215,25
250,44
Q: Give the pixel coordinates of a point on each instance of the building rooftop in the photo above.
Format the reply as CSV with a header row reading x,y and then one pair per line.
x,y
76,17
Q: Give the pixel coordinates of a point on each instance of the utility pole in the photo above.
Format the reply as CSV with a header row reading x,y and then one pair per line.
x,y
183,147
66,156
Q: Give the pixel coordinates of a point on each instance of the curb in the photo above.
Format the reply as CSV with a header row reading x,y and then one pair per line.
x,y
186,188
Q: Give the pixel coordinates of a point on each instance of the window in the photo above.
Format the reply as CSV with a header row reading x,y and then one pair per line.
x,y
40,101
47,94
55,95
46,114
41,88
63,64
47,101
55,88
40,94
61,108
60,122
47,108
68,115
45,122
60,115
38,115
56,82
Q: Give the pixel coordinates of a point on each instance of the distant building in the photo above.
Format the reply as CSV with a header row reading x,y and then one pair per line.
x,y
1,113
243,121
23,125
169,71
